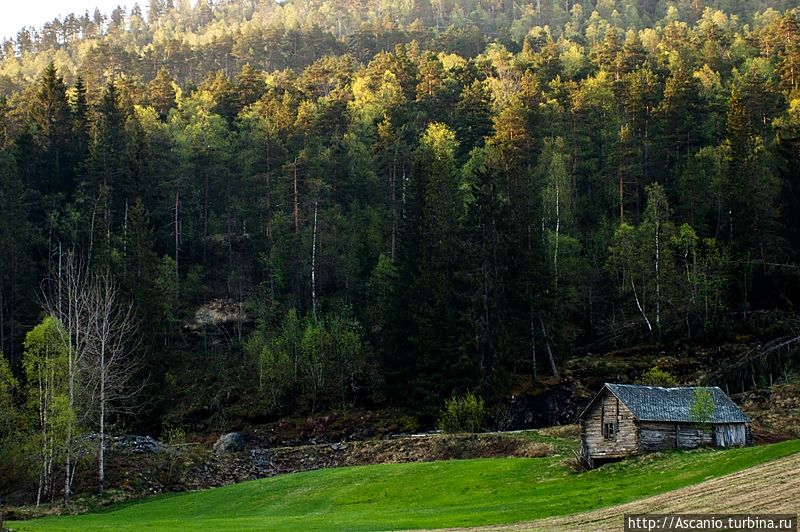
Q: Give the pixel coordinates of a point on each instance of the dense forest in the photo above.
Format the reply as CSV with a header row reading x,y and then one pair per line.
x,y
303,205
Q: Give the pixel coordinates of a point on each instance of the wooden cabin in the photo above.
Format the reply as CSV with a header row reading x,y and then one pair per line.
x,y
623,420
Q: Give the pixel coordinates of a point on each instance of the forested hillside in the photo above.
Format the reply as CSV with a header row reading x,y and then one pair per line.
x,y
313,205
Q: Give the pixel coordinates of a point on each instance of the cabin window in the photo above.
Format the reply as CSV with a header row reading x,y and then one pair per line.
x,y
610,431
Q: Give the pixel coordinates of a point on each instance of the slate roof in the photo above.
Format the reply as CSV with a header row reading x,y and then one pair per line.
x,y
651,403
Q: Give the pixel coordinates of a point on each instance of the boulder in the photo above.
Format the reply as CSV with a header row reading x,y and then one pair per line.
x,y
233,442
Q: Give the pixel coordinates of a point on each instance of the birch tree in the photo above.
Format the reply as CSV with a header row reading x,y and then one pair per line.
x,y
95,336
556,199
113,366
46,367
656,231
625,263
66,300
642,258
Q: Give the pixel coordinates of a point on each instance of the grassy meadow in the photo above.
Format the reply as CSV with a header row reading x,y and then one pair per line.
x,y
419,495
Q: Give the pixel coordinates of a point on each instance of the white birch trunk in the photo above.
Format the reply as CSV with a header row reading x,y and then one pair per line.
x,y
639,306
314,264
658,273
558,228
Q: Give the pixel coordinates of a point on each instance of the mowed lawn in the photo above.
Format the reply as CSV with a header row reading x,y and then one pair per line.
x,y
419,495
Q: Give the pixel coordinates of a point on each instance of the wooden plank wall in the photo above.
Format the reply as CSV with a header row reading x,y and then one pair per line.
x,y
657,436
660,436
730,435
691,436
606,410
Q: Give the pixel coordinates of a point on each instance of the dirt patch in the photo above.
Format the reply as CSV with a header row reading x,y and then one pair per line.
x,y
769,488
331,427
259,462
567,432
442,447
775,411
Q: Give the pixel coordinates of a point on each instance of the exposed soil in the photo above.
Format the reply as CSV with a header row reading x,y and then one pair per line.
x,y
330,427
774,410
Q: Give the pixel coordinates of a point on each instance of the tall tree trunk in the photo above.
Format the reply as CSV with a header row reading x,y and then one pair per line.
x,y
43,425
269,192
551,358
393,199
205,217
558,229
658,272
2,321
177,239
314,264
295,199
101,463
125,235
639,306
533,346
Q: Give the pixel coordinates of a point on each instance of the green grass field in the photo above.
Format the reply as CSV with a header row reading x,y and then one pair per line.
x,y
419,495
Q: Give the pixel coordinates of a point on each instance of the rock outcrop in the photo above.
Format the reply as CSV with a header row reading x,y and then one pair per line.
x,y
233,442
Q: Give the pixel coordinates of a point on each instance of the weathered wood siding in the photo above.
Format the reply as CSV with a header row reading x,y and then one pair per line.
x,y
691,436
655,436
607,410
730,435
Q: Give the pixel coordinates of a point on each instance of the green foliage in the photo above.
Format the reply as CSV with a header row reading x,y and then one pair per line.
x,y
469,209
325,359
45,364
664,270
173,435
8,388
466,413
703,407
656,376
16,464
271,357
45,367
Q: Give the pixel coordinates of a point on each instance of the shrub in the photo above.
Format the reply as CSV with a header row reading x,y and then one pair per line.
x,y
501,418
656,376
703,407
463,414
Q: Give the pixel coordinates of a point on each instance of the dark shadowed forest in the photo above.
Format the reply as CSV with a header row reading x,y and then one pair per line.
x,y
243,210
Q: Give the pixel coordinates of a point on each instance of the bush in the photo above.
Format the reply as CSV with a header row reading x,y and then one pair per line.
x,y
501,418
656,376
463,414
703,407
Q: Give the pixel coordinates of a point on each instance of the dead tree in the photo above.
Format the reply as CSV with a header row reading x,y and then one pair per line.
x,y
97,334
112,342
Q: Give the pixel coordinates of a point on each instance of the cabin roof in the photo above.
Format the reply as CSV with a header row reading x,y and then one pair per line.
x,y
651,403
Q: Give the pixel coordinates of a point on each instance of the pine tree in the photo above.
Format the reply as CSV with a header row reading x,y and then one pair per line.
x,y
489,343
250,86
108,191
155,9
51,113
162,93
789,52
753,186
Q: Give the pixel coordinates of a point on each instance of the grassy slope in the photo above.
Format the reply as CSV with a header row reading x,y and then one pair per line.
x,y
414,495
